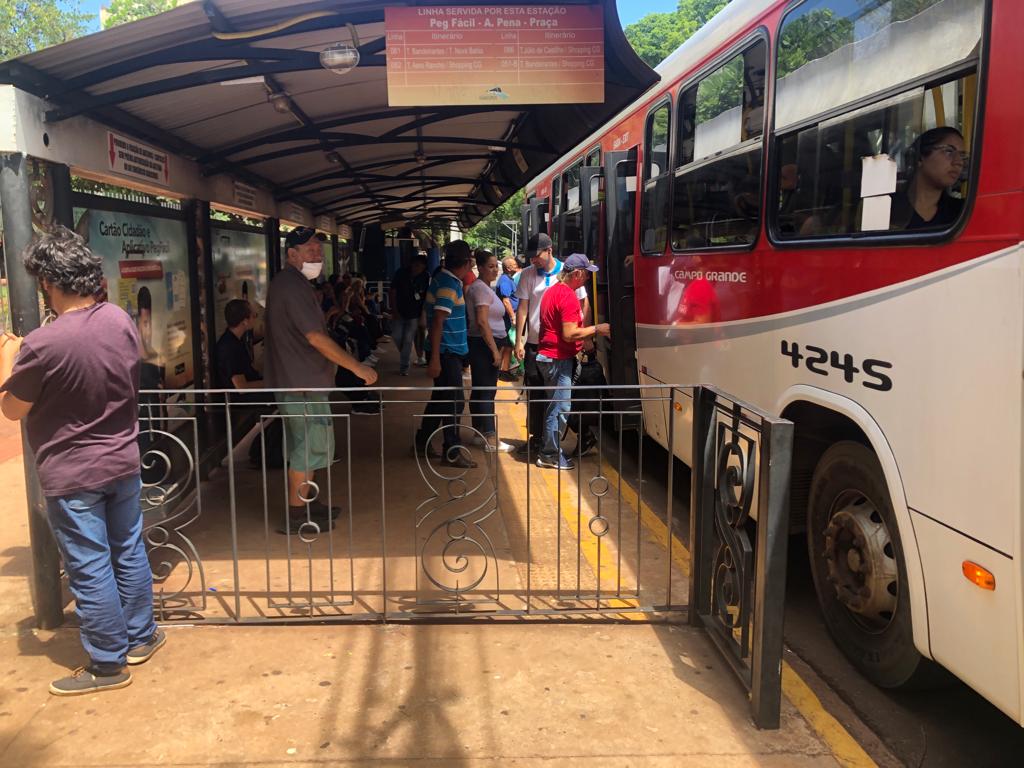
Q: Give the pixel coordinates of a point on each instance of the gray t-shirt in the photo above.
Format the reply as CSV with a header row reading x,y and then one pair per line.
x,y
81,374
292,311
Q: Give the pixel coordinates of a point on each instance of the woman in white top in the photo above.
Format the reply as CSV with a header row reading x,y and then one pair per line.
x,y
485,321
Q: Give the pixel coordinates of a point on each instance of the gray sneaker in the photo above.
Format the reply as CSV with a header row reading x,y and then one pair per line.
x,y
140,654
89,680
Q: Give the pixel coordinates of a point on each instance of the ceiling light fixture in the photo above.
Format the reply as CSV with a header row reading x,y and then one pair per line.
x,y
333,157
420,157
339,59
342,58
280,102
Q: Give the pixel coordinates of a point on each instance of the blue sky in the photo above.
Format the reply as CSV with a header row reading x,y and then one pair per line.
x,y
629,10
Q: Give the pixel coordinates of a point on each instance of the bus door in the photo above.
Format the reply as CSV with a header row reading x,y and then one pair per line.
x,y
592,204
620,170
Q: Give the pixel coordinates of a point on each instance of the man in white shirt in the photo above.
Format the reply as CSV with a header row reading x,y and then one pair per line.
x,y
533,282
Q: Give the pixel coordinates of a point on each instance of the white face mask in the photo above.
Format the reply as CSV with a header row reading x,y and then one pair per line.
x,y
311,269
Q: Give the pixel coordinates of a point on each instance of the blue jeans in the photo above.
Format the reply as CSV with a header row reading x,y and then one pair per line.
x,y
403,332
558,376
99,533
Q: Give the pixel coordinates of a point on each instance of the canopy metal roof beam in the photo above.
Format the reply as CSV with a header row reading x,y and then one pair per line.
x,y
207,50
427,186
336,141
299,134
80,103
385,183
221,25
31,80
433,162
394,199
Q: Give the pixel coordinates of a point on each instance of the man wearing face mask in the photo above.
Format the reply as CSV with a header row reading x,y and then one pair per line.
x,y
75,382
302,355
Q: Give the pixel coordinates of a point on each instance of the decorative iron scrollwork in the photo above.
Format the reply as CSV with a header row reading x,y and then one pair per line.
x,y
455,552
170,503
733,572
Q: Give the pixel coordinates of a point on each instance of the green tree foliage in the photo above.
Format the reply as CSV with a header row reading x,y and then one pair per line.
x,y
122,11
491,234
657,35
28,25
812,36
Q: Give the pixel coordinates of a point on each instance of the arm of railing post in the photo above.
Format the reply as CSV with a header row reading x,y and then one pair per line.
x,y
770,584
701,486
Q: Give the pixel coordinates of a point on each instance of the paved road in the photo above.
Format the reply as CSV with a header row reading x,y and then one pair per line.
x,y
952,726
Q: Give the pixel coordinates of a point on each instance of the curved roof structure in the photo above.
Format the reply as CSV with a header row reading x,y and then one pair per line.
x,y
237,86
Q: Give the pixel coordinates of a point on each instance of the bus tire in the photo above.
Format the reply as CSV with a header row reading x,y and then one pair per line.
x,y
859,570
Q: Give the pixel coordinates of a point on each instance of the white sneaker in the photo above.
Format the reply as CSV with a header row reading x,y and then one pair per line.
x,y
371,359
488,444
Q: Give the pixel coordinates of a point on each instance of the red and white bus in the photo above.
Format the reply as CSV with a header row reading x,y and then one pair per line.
x,y
820,209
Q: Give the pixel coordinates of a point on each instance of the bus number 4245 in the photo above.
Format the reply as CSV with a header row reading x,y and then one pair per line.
x,y
823,362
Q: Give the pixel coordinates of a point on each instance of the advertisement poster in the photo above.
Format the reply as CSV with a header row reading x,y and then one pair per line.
x,y
240,269
240,272
145,271
450,55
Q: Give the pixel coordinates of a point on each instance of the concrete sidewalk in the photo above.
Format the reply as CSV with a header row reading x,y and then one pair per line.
x,y
401,694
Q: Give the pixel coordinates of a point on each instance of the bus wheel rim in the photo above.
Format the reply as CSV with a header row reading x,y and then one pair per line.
x,y
861,561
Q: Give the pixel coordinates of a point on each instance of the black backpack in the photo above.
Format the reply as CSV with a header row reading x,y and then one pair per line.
x,y
587,373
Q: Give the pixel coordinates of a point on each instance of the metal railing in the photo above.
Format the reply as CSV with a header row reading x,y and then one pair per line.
x,y
483,533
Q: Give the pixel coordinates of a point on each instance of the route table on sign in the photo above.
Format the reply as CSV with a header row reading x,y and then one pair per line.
x,y
470,55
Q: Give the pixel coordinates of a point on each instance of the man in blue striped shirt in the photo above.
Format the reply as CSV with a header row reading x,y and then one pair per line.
x,y
447,343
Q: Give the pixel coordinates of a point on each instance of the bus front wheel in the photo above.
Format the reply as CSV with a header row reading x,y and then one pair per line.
x,y
859,570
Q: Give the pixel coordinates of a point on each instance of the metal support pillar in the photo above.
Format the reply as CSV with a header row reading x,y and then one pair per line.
x,y
336,255
63,208
15,198
273,247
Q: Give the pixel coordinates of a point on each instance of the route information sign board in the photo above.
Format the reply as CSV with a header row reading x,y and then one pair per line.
x,y
470,55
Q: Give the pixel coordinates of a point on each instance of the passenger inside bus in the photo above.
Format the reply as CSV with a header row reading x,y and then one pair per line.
x,y
819,177
937,162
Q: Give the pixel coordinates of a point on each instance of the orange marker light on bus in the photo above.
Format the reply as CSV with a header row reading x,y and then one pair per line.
x,y
981,577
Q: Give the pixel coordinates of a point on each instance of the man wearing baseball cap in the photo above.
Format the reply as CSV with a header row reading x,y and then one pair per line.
x,y
301,355
561,338
534,281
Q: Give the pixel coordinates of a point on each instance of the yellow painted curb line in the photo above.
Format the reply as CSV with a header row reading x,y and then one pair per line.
x,y
843,746
845,749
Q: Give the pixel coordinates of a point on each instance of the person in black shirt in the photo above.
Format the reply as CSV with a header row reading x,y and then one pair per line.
x,y
234,358
234,370
938,160
408,290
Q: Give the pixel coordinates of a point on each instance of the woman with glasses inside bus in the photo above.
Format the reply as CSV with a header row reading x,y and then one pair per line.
x,y
939,160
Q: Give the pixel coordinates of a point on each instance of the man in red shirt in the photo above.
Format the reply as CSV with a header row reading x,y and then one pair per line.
x,y
561,337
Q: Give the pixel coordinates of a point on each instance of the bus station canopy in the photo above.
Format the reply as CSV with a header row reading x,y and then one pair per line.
x,y
236,88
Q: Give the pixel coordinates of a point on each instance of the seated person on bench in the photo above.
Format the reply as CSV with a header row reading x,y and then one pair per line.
x,y
234,370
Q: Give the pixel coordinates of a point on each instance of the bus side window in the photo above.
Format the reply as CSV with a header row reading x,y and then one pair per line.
x,y
717,193
657,182
915,143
